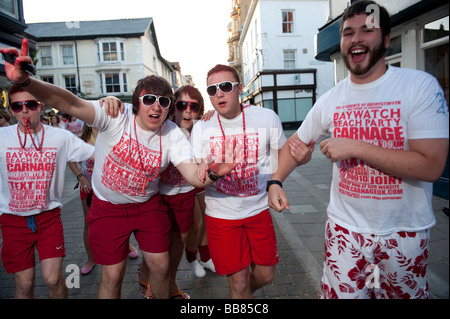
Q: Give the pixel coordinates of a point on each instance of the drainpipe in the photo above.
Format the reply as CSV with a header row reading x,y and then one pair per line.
x,y
78,68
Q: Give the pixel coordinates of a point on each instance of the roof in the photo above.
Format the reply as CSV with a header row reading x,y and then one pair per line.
x,y
126,28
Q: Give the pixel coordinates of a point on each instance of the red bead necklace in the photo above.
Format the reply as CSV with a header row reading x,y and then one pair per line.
x,y
27,131
146,179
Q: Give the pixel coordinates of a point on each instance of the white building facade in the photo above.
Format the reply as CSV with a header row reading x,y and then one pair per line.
x,y
99,58
279,68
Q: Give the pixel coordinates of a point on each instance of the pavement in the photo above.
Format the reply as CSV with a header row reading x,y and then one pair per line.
x,y
300,236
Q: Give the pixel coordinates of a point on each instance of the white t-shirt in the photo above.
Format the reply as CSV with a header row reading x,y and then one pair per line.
x,y
87,167
31,181
172,182
403,104
242,192
124,166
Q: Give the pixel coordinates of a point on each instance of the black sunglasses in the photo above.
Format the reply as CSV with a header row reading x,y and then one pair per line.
x,y
182,105
150,99
17,106
225,87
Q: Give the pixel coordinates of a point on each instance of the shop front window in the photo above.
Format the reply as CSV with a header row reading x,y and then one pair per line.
x,y
435,45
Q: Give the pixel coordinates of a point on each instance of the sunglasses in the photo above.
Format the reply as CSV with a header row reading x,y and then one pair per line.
x,y
150,99
225,87
17,106
182,105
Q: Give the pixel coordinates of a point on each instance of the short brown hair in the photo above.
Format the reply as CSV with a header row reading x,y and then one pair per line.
x,y
152,84
359,7
15,89
223,68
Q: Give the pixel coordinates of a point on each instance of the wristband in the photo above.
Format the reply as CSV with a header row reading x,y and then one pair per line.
x,y
273,182
24,84
213,176
79,176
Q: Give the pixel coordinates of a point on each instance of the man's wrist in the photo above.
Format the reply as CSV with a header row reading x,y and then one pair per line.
x,y
271,182
213,176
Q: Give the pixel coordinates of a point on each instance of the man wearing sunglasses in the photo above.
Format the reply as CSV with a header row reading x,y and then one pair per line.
x,y
240,231
131,152
33,159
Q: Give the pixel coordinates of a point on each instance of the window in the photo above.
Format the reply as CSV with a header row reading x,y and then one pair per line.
x,y
394,51
436,30
289,59
70,83
111,51
288,21
268,104
293,110
45,53
435,44
395,46
9,7
67,54
114,82
48,79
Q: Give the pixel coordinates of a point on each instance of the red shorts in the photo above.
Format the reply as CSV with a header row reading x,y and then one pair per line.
x,y
19,241
181,210
110,228
236,244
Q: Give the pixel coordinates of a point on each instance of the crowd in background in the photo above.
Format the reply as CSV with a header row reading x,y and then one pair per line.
x,y
52,118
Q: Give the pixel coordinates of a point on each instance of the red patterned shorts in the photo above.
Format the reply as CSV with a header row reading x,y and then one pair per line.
x,y
363,266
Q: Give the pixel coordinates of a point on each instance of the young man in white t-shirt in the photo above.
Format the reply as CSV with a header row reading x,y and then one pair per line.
x,y
389,141
130,153
240,230
33,160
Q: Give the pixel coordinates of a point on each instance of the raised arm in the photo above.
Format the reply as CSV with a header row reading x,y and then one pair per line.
x,y
59,98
